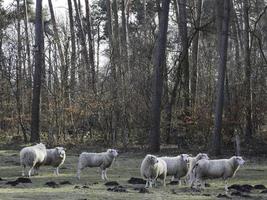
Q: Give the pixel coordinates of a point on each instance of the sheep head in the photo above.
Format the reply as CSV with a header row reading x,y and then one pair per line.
x,y
202,156
60,152
185,157
239,160
113,152
152,160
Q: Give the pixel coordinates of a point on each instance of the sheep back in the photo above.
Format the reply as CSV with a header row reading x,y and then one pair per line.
x,y
53,158
33,155
176,166
103,160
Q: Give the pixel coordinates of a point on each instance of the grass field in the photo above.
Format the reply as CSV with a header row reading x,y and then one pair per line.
x,y
127,165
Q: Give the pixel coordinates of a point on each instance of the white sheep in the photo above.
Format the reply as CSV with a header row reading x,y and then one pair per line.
x,y
102,160
32,156
176,166
222,168
55,157
153,168
191,164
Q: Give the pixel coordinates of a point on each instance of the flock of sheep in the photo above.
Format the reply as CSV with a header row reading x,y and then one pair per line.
x,y
195,169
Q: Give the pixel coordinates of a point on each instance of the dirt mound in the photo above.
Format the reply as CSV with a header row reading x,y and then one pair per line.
x,y
112,183
259,187
241,188
19,180
117,188
52,184
240,194
65,183
223,196
134,180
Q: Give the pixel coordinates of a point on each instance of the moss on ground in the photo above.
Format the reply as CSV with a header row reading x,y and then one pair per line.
x,y
126,166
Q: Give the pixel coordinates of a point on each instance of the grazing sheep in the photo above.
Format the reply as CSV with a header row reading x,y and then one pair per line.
x,y
222,168
32,156
176,166
102,160
192,162
55,157
153,168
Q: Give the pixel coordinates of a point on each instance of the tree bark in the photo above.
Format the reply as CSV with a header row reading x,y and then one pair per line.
x,y
73,51
195,54
157,84
185,62
91,45
39,64
247,63
222,28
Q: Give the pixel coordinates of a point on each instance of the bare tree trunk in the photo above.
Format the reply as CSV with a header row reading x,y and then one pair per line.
x,y
73,52
39,64
195,54
223,26
157,84
91,46
185,61
83,40
247,63
115,119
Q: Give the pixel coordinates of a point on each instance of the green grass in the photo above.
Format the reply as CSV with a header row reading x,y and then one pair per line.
x,y
126,166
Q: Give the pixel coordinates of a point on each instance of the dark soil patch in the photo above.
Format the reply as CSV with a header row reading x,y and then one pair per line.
x,y
264,192
241,188
259,187
223,196
65,183
85,187
52,184
143,190
77,187
112,183
240,194
134,180
173,183
207,185
19,180
117,188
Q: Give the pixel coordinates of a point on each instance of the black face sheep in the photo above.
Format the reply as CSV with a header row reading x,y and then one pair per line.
x,y
153,168
32,156
54,157
222,168
102,160
192,162
176,166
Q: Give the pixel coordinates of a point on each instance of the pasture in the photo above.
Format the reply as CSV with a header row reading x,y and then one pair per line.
x,y
66,186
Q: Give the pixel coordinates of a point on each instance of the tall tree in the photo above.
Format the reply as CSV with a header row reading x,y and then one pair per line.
x,y
37,79
195,52
157,82
247,64
184,61
222,31
91,44
73,50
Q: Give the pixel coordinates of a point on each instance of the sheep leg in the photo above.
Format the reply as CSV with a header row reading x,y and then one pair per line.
x,y
226,186
150,183
56,171
147,183
23,170
105,174
79,173
30,171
